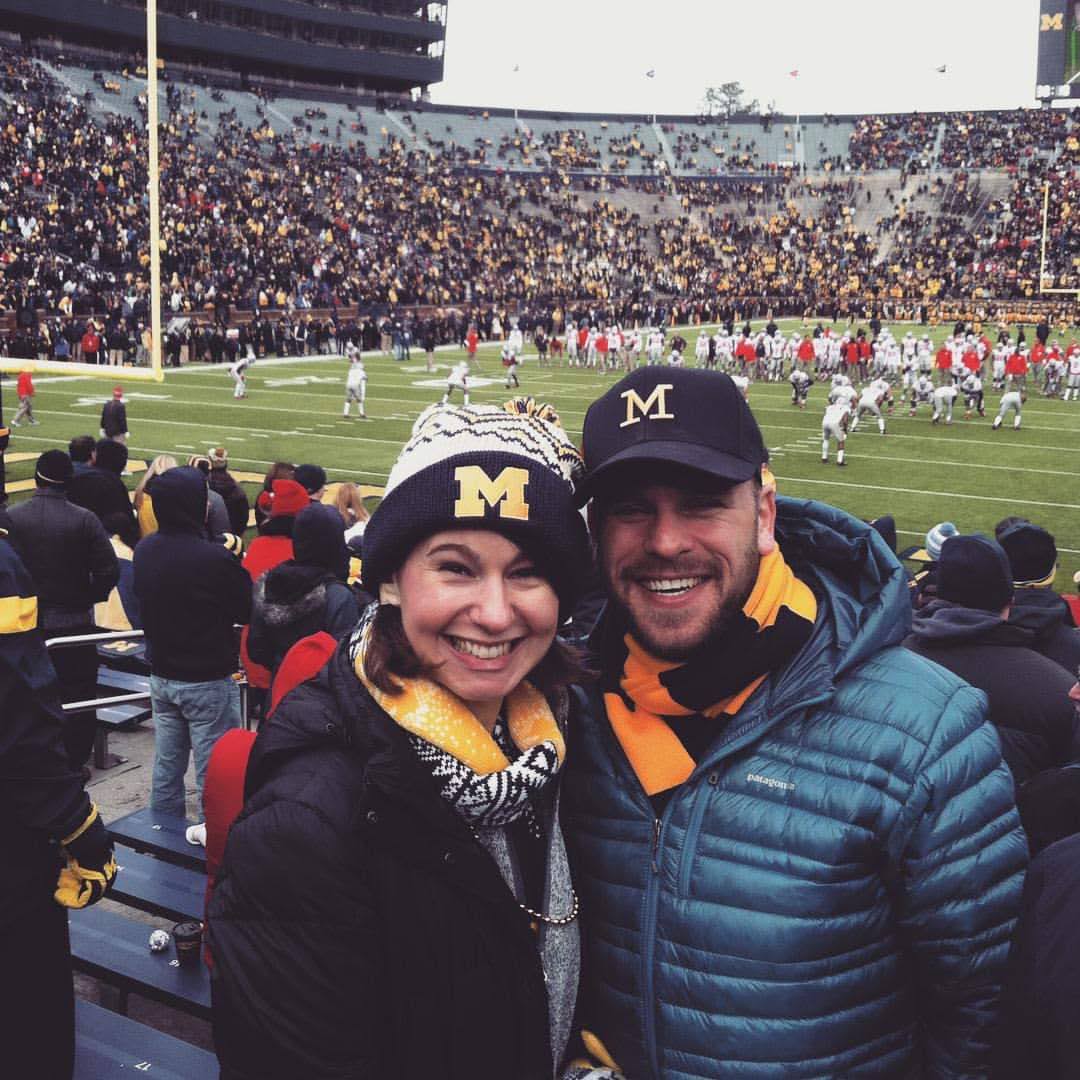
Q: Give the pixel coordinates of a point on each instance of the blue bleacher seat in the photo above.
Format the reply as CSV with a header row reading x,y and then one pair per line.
x,y
114,949
159,834
159,887
108,1046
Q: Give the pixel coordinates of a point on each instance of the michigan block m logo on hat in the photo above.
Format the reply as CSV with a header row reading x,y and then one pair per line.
x,y
636,404
506,491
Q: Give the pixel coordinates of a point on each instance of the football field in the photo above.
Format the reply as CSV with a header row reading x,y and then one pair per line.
x,y
918,472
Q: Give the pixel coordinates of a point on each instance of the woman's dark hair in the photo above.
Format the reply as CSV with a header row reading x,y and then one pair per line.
x,y
389,653
280,470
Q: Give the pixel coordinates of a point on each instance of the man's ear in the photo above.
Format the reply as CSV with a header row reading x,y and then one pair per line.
x,y
389,593
766,521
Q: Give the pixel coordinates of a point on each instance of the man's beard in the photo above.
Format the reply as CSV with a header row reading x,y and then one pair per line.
x,y
726,612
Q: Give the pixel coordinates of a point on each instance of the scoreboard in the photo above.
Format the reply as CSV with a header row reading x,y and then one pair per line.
x,y
1058,73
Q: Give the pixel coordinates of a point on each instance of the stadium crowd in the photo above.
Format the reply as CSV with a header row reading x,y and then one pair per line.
x,y
256,220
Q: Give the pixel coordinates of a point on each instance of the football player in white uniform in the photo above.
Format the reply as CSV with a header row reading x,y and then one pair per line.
x,y
800,387
874,395
458,379
701,348
834,425
510,364
656,346
1011,401
355,381
238,369
944,396
921,393
743,385
972,386
1072,362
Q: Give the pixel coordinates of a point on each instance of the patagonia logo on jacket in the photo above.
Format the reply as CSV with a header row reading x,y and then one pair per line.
x,y
768,781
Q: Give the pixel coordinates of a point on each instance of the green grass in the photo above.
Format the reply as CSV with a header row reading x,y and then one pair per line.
x,y
919,473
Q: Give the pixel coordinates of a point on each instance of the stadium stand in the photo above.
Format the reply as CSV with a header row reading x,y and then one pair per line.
x,y
359,205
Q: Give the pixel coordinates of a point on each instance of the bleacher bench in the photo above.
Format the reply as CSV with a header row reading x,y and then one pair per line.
x,y
158,887
112,683
158,834
115,950
109,1046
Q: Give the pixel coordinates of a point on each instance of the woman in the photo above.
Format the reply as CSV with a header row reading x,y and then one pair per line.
x,y
395,899
144,505
350,505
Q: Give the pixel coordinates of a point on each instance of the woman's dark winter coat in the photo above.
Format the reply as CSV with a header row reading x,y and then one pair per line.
x,y
358,929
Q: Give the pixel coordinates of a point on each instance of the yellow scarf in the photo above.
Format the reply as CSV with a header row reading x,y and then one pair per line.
x,y
440,717
779,602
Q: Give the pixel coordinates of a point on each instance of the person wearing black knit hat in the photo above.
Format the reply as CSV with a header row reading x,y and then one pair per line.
x,y
430,875
68,554
966,628
1032,554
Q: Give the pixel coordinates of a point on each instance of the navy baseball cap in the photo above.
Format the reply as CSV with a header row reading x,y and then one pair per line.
x,y
698,419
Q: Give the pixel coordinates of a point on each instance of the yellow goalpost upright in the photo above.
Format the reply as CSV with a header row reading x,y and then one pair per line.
x,y
1075,293
155,372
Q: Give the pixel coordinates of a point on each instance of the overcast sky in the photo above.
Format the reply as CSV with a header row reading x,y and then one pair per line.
x,y
858,56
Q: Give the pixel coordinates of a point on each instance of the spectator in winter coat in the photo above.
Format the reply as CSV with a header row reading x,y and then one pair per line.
x,y
1037,1032
236,502
191,592
796,842
218,523
967,630
72,564
409,775
100,490
114,417
279,470
304,594
56,850
81,450
1032,555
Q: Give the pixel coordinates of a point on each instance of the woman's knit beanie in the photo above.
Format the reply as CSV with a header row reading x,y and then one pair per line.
x,y
511,469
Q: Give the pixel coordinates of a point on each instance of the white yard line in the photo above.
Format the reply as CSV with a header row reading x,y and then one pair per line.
x,y
1011,499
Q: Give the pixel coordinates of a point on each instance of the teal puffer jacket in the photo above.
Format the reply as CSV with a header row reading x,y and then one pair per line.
x,y
832,892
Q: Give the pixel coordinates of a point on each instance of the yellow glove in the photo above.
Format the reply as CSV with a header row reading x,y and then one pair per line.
x,y
91,864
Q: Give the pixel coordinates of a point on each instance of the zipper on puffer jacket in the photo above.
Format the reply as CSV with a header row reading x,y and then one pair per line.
x,y
648,944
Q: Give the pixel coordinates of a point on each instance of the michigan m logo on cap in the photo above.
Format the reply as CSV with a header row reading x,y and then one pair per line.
x,y
1052,22
657,399
506,491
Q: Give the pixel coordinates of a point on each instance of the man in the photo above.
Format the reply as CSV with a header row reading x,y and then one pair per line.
x,y
1032,554
355,381
191,593
24,390
232,494
312,478
872,398
966,629
82,450
68,555
796,842
458,379
114,417
57,852
1011,401
101,491
1038,1034
834,426
944,398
